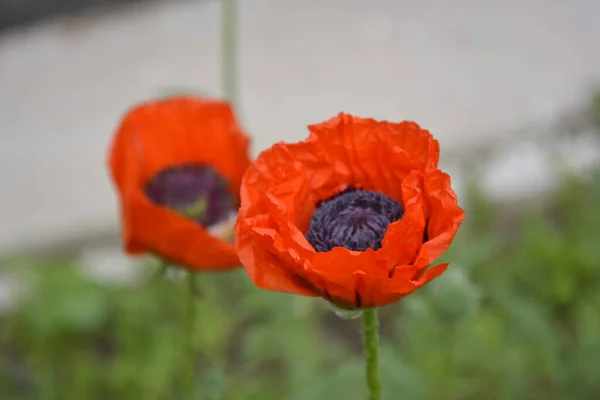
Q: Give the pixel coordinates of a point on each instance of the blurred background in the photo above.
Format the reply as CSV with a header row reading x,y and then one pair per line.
x,y
508,87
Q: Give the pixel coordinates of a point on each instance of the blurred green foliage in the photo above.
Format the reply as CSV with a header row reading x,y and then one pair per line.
x,y
517,316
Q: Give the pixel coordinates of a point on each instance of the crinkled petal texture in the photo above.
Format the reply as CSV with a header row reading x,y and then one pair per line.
x,y
281,188
166,133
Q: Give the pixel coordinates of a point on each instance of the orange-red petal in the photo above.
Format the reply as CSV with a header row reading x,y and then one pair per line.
x,y
374,155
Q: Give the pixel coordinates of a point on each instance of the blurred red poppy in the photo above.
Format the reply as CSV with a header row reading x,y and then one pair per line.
x,y
356,213
177,164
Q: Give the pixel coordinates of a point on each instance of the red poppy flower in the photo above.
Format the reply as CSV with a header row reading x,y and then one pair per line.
x,y
177,164
356,213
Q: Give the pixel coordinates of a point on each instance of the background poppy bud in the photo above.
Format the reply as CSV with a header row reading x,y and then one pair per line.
x,y
455,297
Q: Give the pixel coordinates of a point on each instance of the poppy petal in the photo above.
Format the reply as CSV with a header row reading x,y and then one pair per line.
x,y
380,292
444,220
255,249
405,236
176,239
161,134
374,155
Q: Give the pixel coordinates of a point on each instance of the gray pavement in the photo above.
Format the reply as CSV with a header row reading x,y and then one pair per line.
x,y
473,72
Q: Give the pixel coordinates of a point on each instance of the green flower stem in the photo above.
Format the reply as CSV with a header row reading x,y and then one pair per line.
x,y
229,27
162,269
190,348
371,346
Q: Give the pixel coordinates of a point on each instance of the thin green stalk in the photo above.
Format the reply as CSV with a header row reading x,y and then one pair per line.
x,y
371,346
229,62
161,271
190,348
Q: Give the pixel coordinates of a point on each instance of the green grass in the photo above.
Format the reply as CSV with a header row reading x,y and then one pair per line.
x,y
515,317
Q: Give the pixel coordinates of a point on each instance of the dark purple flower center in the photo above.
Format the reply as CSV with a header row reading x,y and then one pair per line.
x,y
354,219
194,191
